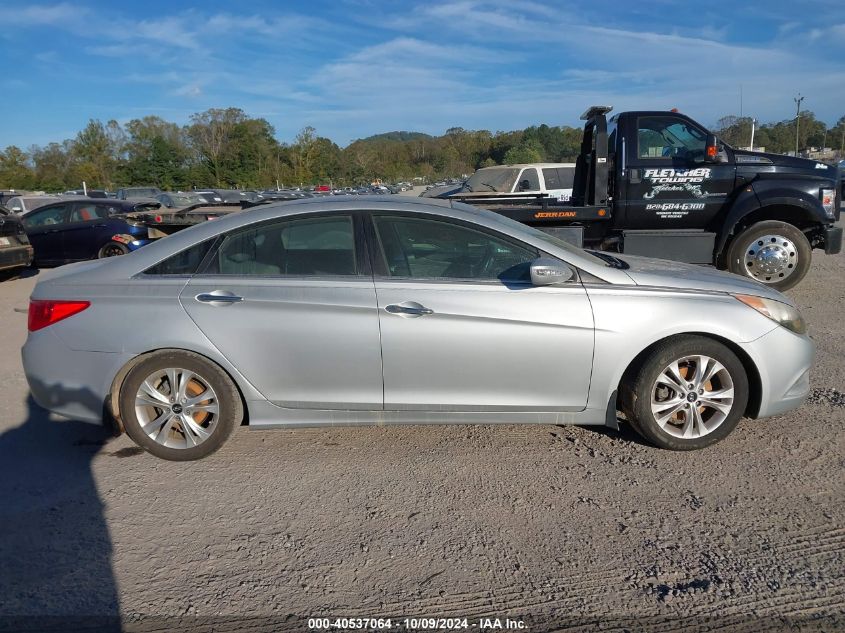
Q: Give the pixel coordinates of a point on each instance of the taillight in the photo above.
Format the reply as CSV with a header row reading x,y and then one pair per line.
x,y
46,312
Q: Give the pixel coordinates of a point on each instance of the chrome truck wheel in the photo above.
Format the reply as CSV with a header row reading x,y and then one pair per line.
x,y
774,253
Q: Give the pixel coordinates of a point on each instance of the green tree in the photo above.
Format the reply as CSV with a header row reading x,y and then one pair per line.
x,y
96,148
15,170
156,154
529,151
211,133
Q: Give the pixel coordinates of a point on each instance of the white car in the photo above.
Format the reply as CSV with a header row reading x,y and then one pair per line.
x,y
22,204
505,181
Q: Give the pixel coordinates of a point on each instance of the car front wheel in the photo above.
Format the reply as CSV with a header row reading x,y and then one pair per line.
x,y
690,392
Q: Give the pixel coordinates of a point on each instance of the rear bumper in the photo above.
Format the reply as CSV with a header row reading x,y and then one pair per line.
x,y
15,256
833,240
71,383
783,360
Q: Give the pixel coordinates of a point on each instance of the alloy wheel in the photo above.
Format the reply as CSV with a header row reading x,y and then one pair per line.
x,y
177,408
692,396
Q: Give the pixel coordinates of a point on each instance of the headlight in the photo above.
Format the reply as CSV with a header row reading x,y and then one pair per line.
x,y
777,311
828,197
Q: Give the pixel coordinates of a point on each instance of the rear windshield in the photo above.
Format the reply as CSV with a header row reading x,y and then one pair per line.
x,y
501,179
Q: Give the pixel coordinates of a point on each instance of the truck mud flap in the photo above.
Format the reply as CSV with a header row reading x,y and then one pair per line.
x,y
691,246
833,240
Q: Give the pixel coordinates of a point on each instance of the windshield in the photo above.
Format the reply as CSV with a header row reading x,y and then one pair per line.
x,y
537,233
501,179
186,199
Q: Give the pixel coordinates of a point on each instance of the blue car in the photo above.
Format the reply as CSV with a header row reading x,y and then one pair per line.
x,y
77,229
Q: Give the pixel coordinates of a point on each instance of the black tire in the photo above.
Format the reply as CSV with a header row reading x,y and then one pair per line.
x,y
228,400
792,243
636,392
112,249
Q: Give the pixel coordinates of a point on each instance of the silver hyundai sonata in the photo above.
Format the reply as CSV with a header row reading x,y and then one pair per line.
x,y
373,311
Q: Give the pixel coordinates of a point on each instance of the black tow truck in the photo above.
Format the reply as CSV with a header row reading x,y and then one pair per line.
x,y
659,184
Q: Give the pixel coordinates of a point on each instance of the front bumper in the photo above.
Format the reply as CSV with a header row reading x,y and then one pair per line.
x,y
783,360
833,240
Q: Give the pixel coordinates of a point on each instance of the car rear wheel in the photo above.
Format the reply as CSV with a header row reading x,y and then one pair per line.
x,y
179,406
689,393
774,253
113,249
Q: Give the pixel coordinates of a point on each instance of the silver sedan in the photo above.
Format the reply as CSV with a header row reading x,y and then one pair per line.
x,y
371,311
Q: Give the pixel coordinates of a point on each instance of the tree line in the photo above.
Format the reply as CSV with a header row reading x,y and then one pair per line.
x,y
227,148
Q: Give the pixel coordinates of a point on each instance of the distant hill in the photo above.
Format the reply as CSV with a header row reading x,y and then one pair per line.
x,y
397,136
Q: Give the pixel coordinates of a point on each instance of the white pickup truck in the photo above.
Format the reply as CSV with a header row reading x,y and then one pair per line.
x,y
553,179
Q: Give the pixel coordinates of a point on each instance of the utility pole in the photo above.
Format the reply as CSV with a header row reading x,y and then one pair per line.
x,y
753,124
798,101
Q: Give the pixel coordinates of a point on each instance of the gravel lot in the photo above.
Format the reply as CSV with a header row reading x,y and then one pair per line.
x,y
555,527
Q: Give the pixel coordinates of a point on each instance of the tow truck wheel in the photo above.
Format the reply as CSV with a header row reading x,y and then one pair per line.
x,y
774,253
112,249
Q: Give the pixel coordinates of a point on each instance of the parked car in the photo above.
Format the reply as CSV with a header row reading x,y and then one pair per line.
x,y
211,197
285,194
76,229
135,193
180,199
90,193
22,204
394,310
15,249
553,179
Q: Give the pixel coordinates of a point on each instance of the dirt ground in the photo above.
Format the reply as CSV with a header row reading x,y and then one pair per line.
x,y
553,528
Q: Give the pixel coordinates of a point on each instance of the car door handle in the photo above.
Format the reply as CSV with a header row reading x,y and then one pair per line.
x,y
408,309
218,298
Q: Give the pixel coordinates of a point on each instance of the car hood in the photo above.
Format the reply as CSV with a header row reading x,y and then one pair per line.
x,y
663,273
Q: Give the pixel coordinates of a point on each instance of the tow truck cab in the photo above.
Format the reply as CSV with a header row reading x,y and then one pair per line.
x,y
658,183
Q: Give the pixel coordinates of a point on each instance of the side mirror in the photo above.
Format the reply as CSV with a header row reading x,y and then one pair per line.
x,y
711,150
546,272
524,185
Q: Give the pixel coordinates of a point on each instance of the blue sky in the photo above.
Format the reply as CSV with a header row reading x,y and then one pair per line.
x,y
352,68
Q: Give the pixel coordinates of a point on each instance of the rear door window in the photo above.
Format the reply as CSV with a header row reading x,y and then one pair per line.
x,y
559,177
306,247
185,262
86,212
